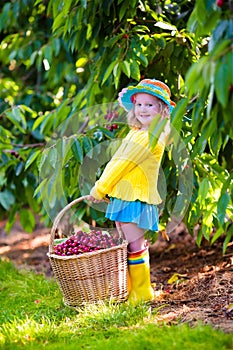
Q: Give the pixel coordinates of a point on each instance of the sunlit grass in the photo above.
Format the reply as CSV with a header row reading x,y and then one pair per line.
x,y
33,316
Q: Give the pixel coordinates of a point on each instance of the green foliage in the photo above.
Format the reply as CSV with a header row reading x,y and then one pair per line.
x,y
60,58
33,317
210,83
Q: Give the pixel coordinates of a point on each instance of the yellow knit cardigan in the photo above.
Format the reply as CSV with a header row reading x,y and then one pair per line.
x,y
132,173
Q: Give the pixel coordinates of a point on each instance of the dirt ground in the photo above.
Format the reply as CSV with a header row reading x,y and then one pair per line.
x,y
192,284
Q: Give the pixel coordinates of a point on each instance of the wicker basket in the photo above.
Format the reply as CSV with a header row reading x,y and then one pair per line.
x,y
89,277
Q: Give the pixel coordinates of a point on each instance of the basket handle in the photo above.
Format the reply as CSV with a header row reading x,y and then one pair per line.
x,y
59,216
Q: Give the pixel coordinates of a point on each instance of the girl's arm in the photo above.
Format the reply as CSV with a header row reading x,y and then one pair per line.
x,y
129,155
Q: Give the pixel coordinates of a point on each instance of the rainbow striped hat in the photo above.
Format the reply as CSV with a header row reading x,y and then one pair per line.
x,y
150,86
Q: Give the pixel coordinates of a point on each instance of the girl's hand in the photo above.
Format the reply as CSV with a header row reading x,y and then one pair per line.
x,y
167,128
165,135
94,200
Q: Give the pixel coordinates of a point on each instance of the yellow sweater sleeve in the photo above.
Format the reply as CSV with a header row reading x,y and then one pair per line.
x,y
129,155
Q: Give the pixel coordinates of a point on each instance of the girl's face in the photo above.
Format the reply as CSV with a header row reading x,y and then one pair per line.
x,y
147,107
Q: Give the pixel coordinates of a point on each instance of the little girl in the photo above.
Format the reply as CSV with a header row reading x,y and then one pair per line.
x,y
130,179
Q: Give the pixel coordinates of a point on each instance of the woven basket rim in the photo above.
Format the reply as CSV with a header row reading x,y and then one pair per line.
x,y
88,254
59,216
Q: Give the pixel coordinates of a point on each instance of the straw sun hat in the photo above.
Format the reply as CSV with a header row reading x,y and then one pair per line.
x,y
150,86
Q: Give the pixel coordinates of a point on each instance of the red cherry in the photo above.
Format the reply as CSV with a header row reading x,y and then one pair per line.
x,y
125,36
219,3
231,89
87,242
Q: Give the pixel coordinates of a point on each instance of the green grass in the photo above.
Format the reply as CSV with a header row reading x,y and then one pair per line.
x,y
33,316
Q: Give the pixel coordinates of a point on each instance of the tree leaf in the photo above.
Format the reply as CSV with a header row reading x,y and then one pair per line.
x,y
27,220
87,145
125,66
178,114
208,130
227,239
58,21
19,168
41,185
142,58
217,34
222,82
77,150
176,278
201,12
32,157
11,218
203,190
135,70
17,118
117,74
123,9
217,234
222,206
155,130
52,157
108,72
7,199
220,47
112,42
165,26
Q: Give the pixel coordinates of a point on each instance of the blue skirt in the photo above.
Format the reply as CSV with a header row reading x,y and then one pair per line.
x,y
143,214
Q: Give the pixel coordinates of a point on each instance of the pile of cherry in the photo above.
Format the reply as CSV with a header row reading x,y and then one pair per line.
x,y
85,242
